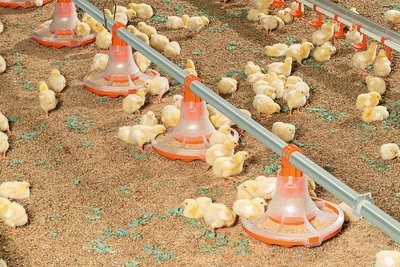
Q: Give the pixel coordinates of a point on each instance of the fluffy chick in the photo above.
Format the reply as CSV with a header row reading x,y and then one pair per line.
x,y
190,67
3,64
388,151
222,135
99,62
296,98
173,49
220,150
103,39
171,113
368,100
322,54
82,29
143,11
270,23
284,131
142,36
324,34
265,104
284,68
12,213
375,84
141,61
387,258
149,119
254,14
15,190
47,98
263,187
4,125
4,145
56,81
229,166
123,133
227,85
382,64
142,134
174,23
299,51
348,213
251,68
284,14
392,16
250,209
134,102
159,42
158,86
2,262
195,208
377,113
195,24
276,50
146,29
362,60
353,36
218,215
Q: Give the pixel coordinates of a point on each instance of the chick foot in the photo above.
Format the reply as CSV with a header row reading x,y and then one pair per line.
x,y
8,132
230,179
140,149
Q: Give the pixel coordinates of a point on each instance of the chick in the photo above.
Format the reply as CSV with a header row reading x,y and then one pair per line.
x,y
103,39
276,50
120,9
270,23
141,61
15,190
382,64
47,98
254,14
1,27
265,104
389,151
195,208
377,113
375,84
353,36
134,102
174,23
190,67
284,131
329,44
218,215
146,29
284,14
195,24
299,51
265,89
348,213
251,68
392,17
263,187
142,134
56,81
220,150
387,258
229,166
218,119
96,26
4,125
296,98
250,209
177,101
284,68
142,36
4,145
293,87
227,86
2,262
12,213
322,54
158,86
368,100
123,133
3,64
99,62
149,119
171,113
82,29
121,18
324,34
259,86
295,6
222,135
363,59
159,42
255,77
292,80
143,11
173,49
262,5
131,14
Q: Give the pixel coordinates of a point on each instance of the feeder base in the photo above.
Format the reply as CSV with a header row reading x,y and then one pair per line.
x,y
316,23
21,4
278,3
359,46
43,36
339,35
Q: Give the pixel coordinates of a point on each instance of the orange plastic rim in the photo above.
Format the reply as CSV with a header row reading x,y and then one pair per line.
x,y
25,4
73,43
278,3
176,156
112,94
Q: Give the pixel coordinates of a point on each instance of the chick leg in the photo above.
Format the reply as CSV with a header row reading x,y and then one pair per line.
x,y
230,179
4,156
8,132
46,115
159,99
140,149
212,229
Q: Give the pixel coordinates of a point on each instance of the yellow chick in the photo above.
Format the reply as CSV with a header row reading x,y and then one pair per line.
x,y
158,86
4,145
134,102
99,62
96,26
220,150
388,151
265,104
255,77
218,120
276,50
218,215
141,61
251,68
103,39
348,213
254,14
222,135
195,208
293,87
123,133
270,23
190,67
258,87
120,9
86,17
329,44
353,36
284,68
15,190
263,187
377,113
295,6
382,64
173,49
143,11
262,87
368,100
392,17
2,262
227,86
4,125
171,113
195,24
229,166
1,27
121,18
284,131
262,5
47,98
142,134
82,29
174,23
250,209
387,258
131,14
279,86
159,42
146,29
311,186
296,98
324,34
284,14
3,64
56,81
270,77
177,101
299,51
322,54
375,84
142,36
149,119
12,213
292,80
363,59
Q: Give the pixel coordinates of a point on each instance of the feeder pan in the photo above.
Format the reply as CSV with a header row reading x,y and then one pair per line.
x,y
59,32
20,3
299,12
318,22
121,75
340,33
361,45
278,3
193,129
293,218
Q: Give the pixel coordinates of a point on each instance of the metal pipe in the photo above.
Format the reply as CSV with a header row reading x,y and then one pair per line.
x,y
361,203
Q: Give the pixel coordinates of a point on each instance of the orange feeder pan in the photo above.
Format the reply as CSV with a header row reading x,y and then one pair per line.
x,y
121,75
318,22
299,12
291,207
21,3
193,128
360,45
59,32
278,3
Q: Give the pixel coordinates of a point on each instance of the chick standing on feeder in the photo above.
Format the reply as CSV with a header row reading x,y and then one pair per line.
x,y
218,215
195,208
134,102
250,209
15,190
158,86
141,134
56,81
12,213
220,150
4,125
47,98
389,151
4,145
226,167
149,119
